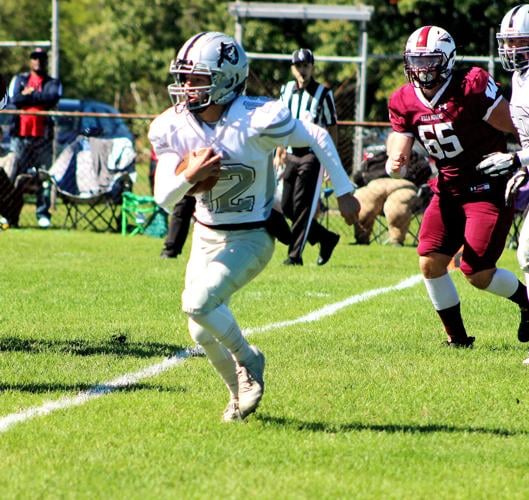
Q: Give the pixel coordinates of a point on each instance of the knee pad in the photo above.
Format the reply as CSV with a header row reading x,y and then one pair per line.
x,y
198,300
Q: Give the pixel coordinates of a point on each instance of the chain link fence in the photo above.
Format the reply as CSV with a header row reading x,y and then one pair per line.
x,y
20,195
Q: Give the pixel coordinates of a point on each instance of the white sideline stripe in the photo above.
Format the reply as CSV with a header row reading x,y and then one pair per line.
x,y
151,371
96,392
334,308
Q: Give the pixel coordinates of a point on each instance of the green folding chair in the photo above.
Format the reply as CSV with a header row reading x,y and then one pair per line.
x,y
137,213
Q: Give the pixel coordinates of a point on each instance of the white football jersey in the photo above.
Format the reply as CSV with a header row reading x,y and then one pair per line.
x,y
246,136
519,106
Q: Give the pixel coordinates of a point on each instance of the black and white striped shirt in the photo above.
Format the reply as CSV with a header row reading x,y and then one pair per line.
x,y
314,104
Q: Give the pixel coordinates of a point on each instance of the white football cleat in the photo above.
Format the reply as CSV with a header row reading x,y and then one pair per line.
x,y
232,413
525,361
251,383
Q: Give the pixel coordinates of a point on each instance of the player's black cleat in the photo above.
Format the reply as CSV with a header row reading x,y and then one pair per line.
x,y
523,328
466,343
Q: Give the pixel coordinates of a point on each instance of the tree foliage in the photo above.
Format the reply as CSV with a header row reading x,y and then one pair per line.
x,y
119,51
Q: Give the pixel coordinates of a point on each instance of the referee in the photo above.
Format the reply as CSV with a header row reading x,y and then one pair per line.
x,y
307,100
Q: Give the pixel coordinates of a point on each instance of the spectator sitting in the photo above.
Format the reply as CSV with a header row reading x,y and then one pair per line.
x,y
395,198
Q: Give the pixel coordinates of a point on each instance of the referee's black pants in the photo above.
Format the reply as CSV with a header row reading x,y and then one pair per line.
x,y
300,188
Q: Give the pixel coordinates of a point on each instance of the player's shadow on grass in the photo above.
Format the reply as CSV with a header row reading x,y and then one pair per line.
x,y
301,426
114,346
40,388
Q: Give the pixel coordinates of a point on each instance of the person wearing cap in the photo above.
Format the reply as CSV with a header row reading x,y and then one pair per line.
x,y
309,101
32,135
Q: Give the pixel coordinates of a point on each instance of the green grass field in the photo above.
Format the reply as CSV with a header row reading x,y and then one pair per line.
x,y
362,403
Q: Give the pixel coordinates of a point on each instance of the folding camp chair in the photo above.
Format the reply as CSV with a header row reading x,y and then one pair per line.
x,y
137,212
422,198
89,177
323,214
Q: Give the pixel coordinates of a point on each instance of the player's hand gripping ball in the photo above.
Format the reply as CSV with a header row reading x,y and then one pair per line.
x,y
202,167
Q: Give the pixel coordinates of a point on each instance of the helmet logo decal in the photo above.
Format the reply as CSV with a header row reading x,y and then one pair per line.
x,y
446,38
228,52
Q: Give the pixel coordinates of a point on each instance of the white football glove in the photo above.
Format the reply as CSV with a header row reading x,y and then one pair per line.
x,y
497,164
514,184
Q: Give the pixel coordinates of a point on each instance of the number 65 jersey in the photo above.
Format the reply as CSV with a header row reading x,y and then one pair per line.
x,y
452,127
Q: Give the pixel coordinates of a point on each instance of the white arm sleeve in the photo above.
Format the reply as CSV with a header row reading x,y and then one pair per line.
x,y
318,139
169,188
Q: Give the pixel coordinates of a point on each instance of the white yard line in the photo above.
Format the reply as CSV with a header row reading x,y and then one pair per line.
x,y
334,308
129,379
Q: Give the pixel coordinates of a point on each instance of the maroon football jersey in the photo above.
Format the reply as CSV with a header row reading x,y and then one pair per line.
x,y
452,128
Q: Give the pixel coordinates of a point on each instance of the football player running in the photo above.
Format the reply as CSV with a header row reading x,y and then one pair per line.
x,y
230,242
459,117
513,49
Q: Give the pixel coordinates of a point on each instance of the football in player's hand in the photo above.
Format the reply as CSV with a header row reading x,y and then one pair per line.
x,y
204,185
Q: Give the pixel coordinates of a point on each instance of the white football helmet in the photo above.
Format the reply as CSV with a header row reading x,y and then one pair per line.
x,y
217,56
429,56
513,39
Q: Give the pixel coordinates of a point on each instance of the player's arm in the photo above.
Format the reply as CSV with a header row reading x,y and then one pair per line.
x,y
280,129
500,118
169,188
172,183
399,151
498,164
319,140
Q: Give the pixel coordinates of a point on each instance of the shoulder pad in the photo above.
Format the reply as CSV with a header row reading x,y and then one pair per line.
x,y
475,81
269,113
161,128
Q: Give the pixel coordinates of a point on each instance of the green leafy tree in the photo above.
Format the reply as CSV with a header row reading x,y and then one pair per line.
x,y
119,52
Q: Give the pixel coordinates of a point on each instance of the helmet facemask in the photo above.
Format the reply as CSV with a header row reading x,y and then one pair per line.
x,y
425,70
513,39
182,94
513,52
